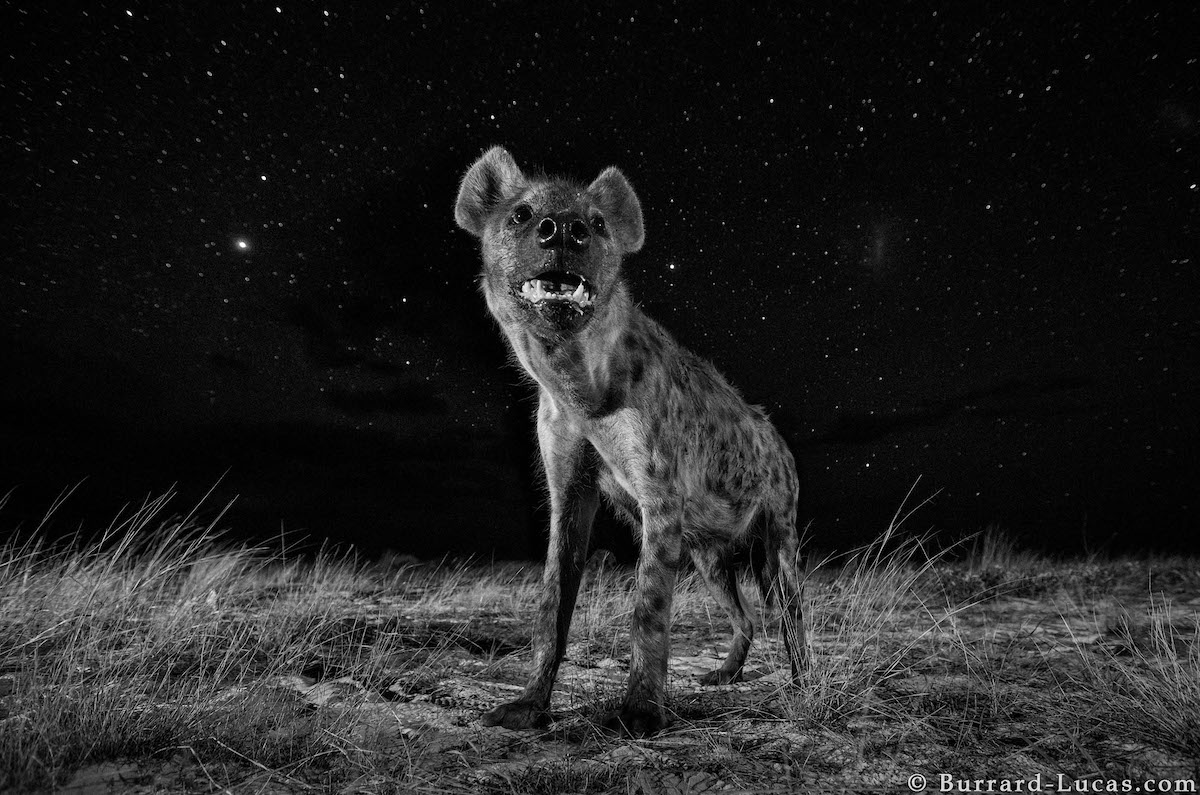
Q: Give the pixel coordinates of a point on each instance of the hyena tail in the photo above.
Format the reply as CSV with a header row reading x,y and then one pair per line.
x,y
775,562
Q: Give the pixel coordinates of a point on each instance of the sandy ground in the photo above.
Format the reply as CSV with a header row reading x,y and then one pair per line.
x,y
996,690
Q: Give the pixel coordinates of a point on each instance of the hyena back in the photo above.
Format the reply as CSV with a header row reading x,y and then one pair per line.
x,y
626,412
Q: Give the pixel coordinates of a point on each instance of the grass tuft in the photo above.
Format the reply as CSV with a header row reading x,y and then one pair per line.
x,y
862,614
160,635
1144,682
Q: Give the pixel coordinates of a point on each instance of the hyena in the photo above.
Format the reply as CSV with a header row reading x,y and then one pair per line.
x,y
626,412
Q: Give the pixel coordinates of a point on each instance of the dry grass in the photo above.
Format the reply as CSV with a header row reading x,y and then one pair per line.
x,y
1145,684
161,657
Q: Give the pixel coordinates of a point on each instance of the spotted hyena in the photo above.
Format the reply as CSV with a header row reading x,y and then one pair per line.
x,y
626,412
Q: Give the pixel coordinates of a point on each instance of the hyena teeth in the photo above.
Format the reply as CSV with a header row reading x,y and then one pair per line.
x,y
538,290
532,290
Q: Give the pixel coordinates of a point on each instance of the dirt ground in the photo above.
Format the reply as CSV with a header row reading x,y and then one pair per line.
x,y
1000,683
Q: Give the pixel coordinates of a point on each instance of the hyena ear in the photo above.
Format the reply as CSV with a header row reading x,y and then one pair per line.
x,y
621,207
494,178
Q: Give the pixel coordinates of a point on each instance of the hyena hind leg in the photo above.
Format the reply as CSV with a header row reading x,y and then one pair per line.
x,y
721,578
778,576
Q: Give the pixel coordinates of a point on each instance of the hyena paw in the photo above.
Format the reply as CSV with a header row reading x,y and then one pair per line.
x,y
636,721
518,715
721,677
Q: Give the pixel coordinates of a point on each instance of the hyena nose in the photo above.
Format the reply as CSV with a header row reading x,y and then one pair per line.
x,y
547,233
565,231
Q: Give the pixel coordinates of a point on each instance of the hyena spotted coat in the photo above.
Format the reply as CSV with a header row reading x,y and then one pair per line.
x,y
626,412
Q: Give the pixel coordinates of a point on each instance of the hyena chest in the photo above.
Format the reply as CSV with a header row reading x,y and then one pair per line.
x,y
625,452
644,464
715,476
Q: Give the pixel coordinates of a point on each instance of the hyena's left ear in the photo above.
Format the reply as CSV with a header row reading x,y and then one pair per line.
x,y
621,207
494,178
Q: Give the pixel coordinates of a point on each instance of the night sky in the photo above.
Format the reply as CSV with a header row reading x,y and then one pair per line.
x,y
959,246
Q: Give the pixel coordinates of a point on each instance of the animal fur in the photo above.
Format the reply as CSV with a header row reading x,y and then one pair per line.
x,y
626,412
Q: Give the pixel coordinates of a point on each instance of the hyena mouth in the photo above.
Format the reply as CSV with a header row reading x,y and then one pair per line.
x,y
558,286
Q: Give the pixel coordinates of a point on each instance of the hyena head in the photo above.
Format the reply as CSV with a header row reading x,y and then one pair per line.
x,y
552,248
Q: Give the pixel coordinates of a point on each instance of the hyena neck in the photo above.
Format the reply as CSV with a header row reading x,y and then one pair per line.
x,y
588,372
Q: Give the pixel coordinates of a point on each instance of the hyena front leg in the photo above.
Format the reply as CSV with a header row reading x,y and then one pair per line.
x,y
571,469
642,712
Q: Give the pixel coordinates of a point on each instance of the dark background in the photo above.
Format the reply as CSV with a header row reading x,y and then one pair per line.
x,y
956,245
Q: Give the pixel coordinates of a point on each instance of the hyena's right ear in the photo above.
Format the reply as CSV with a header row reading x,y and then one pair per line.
x,y
494,178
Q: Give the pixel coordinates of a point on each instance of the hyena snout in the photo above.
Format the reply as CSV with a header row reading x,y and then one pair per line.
x,y
565,230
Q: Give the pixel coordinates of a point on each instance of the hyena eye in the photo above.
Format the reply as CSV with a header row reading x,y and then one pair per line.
x,y
598,224
521,214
